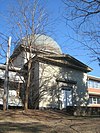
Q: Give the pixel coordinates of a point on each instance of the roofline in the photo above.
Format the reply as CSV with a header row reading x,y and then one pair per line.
x,y
43,58
69,56
93,78
11,68
21,47
80,62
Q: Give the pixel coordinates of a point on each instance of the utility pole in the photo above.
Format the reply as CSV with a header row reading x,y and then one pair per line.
x,y
6,89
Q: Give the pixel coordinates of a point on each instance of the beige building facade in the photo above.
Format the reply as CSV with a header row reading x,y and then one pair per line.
x,y
57,80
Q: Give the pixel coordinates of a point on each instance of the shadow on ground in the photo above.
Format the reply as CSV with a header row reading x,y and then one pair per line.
x,y
46,121
33,127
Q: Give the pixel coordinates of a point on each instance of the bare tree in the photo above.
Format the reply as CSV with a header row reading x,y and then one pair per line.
x,y
3,46
28,21
27,18
43,79
83,16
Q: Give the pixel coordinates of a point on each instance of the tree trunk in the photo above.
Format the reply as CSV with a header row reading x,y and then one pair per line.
x,y
28,81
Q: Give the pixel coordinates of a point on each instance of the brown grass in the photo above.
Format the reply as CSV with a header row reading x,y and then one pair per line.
x,y
47,121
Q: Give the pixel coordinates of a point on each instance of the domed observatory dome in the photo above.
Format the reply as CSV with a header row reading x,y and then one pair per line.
x,y
42,43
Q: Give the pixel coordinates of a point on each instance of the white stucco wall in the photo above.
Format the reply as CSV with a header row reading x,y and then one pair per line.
x,y
48,85
51,73
21,59
80,93
13,99
13,76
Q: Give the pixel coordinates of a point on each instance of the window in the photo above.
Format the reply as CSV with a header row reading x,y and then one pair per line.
x,y
93,84
90,100
98,100
94,100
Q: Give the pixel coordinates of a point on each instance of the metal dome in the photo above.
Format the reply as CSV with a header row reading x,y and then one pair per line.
x,y
42,42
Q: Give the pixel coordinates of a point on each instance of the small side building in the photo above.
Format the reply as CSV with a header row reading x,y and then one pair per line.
x,y
15,81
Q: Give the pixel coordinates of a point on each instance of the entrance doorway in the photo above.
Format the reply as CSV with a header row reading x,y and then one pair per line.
x,y
66,97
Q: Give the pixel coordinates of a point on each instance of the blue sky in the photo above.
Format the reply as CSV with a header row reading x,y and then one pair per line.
x,y
56,11
58,31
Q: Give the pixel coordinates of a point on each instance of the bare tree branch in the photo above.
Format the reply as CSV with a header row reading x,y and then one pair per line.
x,y
84,17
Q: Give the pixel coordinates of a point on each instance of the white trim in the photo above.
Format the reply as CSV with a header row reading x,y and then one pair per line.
x,y
94,93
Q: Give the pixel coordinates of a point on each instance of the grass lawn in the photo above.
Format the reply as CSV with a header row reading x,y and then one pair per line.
x,y
47,121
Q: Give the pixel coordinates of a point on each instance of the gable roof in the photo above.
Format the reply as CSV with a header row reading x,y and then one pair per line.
x,y
64,60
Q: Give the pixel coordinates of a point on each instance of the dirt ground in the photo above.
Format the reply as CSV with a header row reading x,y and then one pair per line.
x,y
46,121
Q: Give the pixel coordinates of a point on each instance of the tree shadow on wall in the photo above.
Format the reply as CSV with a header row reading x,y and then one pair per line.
x,y
80,92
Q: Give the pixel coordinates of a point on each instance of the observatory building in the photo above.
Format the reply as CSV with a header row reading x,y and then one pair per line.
x,y
57,80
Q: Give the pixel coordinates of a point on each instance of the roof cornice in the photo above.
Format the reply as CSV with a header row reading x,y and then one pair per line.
x,y
43,58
